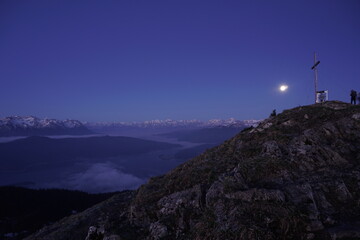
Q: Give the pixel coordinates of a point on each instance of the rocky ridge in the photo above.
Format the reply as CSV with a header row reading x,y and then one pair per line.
x,y
295,176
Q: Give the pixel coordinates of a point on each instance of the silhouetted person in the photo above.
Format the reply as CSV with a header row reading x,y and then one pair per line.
x,y
353,95
273,114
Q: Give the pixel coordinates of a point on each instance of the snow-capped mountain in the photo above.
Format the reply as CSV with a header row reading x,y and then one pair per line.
x,y
169,123
30,125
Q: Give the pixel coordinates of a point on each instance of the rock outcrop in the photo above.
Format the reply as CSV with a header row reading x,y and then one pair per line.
x,y
295,176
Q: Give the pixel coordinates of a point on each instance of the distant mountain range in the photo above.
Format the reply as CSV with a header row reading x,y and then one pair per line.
x,y
33,126
169,123
30,125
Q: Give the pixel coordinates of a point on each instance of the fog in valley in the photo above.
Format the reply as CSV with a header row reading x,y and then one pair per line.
x,y
100,163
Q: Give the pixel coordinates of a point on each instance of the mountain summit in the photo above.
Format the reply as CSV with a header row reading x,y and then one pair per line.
x,y
295,176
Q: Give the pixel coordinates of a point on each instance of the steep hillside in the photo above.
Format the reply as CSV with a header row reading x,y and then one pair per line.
x,y
295,176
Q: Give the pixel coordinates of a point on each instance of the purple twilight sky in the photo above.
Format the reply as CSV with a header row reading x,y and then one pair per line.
x,y
141,60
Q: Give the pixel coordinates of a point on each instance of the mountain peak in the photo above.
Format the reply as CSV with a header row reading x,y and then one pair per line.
x,y
295,176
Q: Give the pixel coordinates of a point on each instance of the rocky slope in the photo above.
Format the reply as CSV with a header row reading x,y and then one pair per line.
x,y
30,126
295,176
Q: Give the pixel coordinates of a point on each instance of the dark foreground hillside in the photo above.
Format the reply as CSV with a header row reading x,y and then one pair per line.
x,y
295,176
22,211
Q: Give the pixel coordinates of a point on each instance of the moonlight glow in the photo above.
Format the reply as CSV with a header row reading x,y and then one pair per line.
x,y
283,88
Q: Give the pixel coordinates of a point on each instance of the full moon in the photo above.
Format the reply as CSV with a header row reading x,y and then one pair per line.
x,y
283,88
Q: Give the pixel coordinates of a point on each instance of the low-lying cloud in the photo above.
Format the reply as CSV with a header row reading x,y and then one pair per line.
x,y
99,178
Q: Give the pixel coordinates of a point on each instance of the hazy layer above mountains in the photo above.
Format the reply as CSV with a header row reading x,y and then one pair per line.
x,y
169,123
